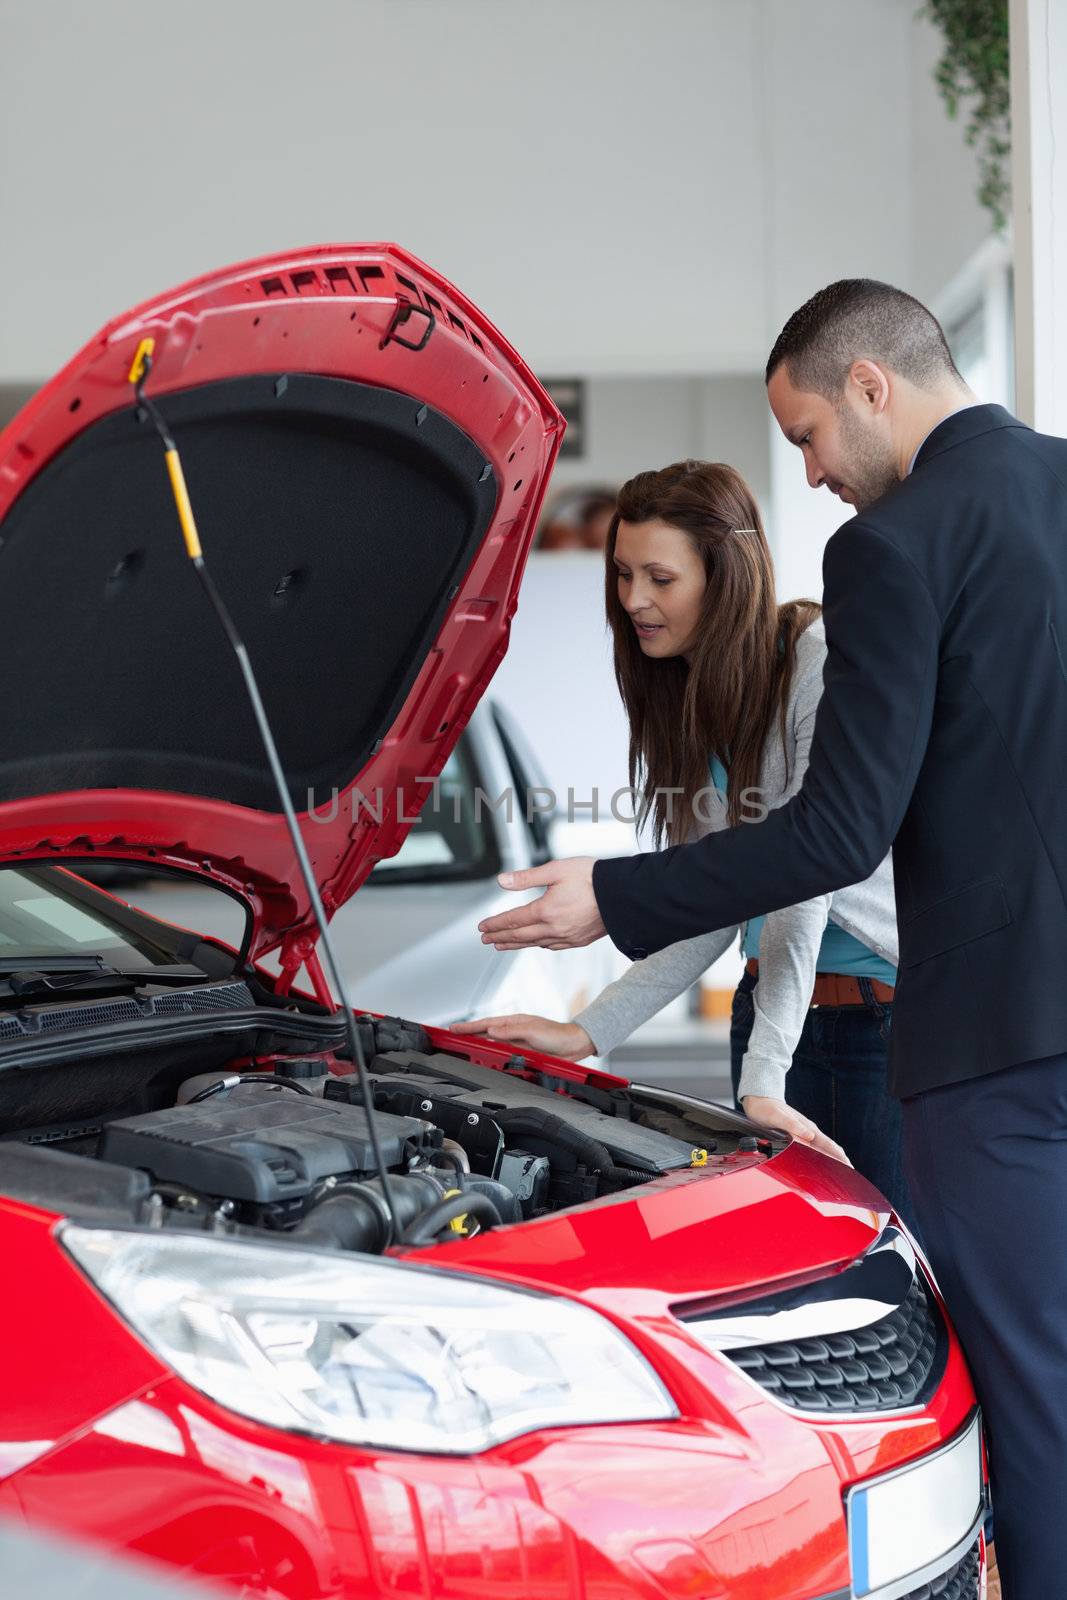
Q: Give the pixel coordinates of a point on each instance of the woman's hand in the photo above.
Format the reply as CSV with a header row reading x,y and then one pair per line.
x,y
776,1114
564,1039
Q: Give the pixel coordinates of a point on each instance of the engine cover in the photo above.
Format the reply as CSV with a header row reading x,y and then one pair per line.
x,y
477,1089
265,1147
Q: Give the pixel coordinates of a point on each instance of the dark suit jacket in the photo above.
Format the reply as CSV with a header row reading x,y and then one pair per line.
x,y
942,732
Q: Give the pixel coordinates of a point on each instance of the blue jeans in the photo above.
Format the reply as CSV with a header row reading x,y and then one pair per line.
x,y
839,1080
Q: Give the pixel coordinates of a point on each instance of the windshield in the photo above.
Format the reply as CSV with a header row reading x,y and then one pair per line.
x,y
50,914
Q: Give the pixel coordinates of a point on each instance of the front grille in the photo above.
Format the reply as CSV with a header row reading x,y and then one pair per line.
x,y
958,1583
880,1367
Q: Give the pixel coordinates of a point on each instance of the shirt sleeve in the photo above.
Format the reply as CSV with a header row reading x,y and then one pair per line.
x,y
788,956
871,731
647,986
790,940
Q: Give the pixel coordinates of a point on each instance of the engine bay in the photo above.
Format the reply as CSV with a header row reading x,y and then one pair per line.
x,y
283,1142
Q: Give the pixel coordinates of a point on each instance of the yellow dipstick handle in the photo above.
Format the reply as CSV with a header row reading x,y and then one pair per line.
x,y
457,1224
185,510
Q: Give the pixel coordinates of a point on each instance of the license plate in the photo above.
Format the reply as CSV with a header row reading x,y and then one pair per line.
x,y
915,1522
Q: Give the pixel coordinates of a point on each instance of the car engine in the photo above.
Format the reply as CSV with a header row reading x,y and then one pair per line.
x,y
285,1144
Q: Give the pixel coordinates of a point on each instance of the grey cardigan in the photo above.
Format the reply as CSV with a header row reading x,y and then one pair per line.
x,y
790,940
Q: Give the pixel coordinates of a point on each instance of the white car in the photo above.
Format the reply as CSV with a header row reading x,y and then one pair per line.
x,y
408,943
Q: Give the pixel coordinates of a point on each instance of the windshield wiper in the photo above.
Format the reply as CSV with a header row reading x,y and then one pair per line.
x,y
52,983
22,978
69,963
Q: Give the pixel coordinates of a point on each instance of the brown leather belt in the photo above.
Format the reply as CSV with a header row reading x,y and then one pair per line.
x,y
838,989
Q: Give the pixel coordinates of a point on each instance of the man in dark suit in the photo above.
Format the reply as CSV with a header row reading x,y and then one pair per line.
x,y
942,732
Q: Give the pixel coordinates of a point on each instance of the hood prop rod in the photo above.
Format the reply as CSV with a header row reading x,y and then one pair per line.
x,y
138,376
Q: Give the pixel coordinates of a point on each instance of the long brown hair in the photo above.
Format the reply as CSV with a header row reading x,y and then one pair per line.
x,y
724,702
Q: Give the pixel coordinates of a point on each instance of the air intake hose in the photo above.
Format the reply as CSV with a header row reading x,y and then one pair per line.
x,y
354,1216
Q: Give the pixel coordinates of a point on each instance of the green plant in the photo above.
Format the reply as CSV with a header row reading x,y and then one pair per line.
x,y
974,67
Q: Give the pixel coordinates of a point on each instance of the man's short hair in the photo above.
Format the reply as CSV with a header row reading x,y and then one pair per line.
x,y
857,319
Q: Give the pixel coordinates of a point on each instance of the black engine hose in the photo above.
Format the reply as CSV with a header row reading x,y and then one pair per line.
x,y
625,1177
524,1124
452,1158
468,1203
527,1126
233,1080
505,1199
354,1216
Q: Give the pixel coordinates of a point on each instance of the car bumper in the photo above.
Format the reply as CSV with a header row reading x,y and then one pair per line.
x,y
702,1508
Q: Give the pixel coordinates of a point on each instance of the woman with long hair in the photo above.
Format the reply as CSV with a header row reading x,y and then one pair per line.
x,y
721,685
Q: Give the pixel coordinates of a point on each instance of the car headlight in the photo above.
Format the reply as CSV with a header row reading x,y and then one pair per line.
x,y
367,1351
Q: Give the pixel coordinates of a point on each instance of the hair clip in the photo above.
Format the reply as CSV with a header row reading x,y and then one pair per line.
x,y
745,530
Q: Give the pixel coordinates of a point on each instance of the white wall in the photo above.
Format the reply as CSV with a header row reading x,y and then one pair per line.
x,y
558,678
633,424
802,519
834,93
924,188
570,165
625,187
948,224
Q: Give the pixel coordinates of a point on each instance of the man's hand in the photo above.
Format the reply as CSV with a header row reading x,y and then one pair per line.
x,y
568,1040
563,918
776,1114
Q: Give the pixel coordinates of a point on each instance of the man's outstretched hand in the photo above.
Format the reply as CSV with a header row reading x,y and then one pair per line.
x,y
564,917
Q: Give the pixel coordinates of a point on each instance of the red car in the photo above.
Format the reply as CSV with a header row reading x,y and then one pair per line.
x,y
610,1341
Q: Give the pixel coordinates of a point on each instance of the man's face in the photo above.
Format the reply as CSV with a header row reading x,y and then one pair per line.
x,y
845,446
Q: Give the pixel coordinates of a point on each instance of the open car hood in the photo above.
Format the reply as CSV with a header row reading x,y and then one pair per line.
x,y
366,458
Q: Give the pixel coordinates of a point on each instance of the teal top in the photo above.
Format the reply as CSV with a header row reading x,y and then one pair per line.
x,y
839,951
